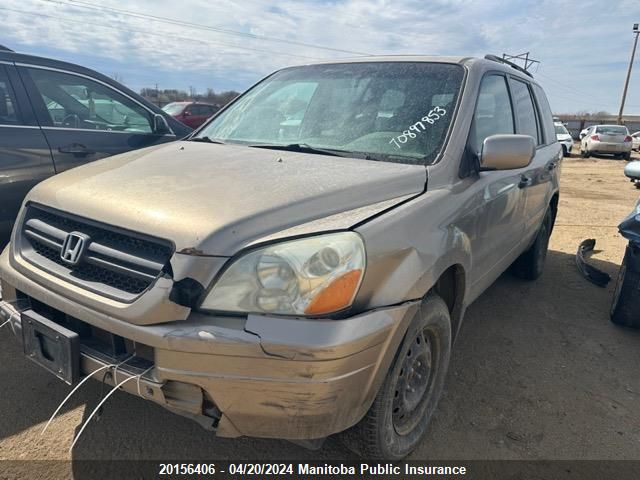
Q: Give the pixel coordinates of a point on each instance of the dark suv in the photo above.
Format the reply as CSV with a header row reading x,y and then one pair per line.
x,y
55,115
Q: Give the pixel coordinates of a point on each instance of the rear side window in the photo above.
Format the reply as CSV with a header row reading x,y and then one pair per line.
x,y
493,113
546,117
8,114
525,110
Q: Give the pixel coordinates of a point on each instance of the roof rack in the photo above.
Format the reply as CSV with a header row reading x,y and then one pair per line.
x,y
495,58
5,49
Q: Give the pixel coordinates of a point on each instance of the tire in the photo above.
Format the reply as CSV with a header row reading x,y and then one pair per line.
x,y
584,153
626,156
399,417
625,307
564,151
530,265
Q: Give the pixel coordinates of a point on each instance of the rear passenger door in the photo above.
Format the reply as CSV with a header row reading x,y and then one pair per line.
x,y
85,119
25,158
536,182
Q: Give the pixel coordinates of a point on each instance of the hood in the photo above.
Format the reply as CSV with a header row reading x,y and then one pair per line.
x,y
216,199
561,137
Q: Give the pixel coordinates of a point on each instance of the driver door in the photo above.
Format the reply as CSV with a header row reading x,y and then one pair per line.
x,y
84,119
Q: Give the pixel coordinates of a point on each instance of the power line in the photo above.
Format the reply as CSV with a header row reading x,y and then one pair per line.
x,y
163,35
223,30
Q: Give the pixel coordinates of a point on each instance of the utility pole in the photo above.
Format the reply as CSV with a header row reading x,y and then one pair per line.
x,y
626,83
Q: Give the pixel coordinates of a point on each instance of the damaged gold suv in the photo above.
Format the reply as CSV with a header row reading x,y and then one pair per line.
x,y
300,265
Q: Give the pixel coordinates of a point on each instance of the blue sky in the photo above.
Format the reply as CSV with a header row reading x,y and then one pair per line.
x,y
584,46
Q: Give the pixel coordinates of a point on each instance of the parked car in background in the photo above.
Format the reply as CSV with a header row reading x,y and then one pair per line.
x,y
636,141
55,116
607,139
192,114
300,288
564,137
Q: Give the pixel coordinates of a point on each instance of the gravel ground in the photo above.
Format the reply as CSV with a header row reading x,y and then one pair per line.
x,y
538,371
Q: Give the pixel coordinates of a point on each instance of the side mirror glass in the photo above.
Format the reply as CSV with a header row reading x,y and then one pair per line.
x,y
160,125
507,152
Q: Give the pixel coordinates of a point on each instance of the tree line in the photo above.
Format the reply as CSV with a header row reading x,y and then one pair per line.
x,y
163,96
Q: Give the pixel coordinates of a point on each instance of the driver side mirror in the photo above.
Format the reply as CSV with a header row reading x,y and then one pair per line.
x,y
160,125
507,152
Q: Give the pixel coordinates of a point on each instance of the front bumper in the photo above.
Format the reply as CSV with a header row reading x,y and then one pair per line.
x,y
255,376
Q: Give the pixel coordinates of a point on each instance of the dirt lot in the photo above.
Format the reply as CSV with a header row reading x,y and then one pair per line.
x,y
538,371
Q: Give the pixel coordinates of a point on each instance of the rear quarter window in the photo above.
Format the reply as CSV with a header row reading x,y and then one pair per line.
x,y
546,117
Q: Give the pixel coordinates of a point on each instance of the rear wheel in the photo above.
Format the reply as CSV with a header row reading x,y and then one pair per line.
x,y
530,264
400,414
625,308
584,152
626,156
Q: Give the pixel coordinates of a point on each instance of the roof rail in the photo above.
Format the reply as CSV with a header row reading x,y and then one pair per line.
x,y
495,58
5,49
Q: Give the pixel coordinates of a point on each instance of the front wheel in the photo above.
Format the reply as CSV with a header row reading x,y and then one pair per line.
x,y
626,156
400,414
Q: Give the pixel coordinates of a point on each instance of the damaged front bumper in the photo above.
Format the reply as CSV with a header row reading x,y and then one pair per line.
x,y
258,376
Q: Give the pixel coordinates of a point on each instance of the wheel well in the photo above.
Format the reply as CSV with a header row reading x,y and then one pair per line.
x,y
450,287
553,204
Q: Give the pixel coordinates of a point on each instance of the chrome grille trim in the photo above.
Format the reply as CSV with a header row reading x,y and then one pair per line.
x,y
118,264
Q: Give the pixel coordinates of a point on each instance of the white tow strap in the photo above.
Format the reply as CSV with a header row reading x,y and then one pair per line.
x,y
102,402
71,393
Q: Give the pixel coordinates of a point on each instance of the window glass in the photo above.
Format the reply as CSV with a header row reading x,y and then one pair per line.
x,y
391,111
77,102
173,108
525,110
612,130
8,114
561,130
546,116
493,113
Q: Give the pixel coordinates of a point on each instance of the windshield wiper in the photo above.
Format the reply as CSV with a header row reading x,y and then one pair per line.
x,y
205,140
304,148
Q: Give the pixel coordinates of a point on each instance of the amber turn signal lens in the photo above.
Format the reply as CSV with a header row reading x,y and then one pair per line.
x,y
337,295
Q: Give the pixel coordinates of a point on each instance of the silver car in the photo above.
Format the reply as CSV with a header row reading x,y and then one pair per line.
x,y
301,265
607,139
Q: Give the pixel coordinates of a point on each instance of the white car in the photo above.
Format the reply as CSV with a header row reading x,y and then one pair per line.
x,y
583,132
636,141
564,137
610,139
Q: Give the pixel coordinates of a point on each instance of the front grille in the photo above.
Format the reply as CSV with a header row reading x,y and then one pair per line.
x,y
116,263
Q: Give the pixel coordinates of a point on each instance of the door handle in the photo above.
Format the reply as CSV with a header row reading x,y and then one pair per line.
x,y
525,181
76,149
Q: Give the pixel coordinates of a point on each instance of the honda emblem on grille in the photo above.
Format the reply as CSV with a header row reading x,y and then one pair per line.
x,y
74,247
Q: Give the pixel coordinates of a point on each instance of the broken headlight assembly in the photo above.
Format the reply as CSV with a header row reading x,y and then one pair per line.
x,y
309,276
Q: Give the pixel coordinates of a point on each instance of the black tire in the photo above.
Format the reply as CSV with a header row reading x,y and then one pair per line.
x,y
530,265
584,153
625,307
399,417
564,151
627,156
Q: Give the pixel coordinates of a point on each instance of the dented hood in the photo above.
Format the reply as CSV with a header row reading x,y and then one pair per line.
x,y
216,199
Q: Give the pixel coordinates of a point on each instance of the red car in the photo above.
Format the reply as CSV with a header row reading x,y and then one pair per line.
x,y
192,114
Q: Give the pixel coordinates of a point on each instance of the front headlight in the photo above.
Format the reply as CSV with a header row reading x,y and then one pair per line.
x,y
309,276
